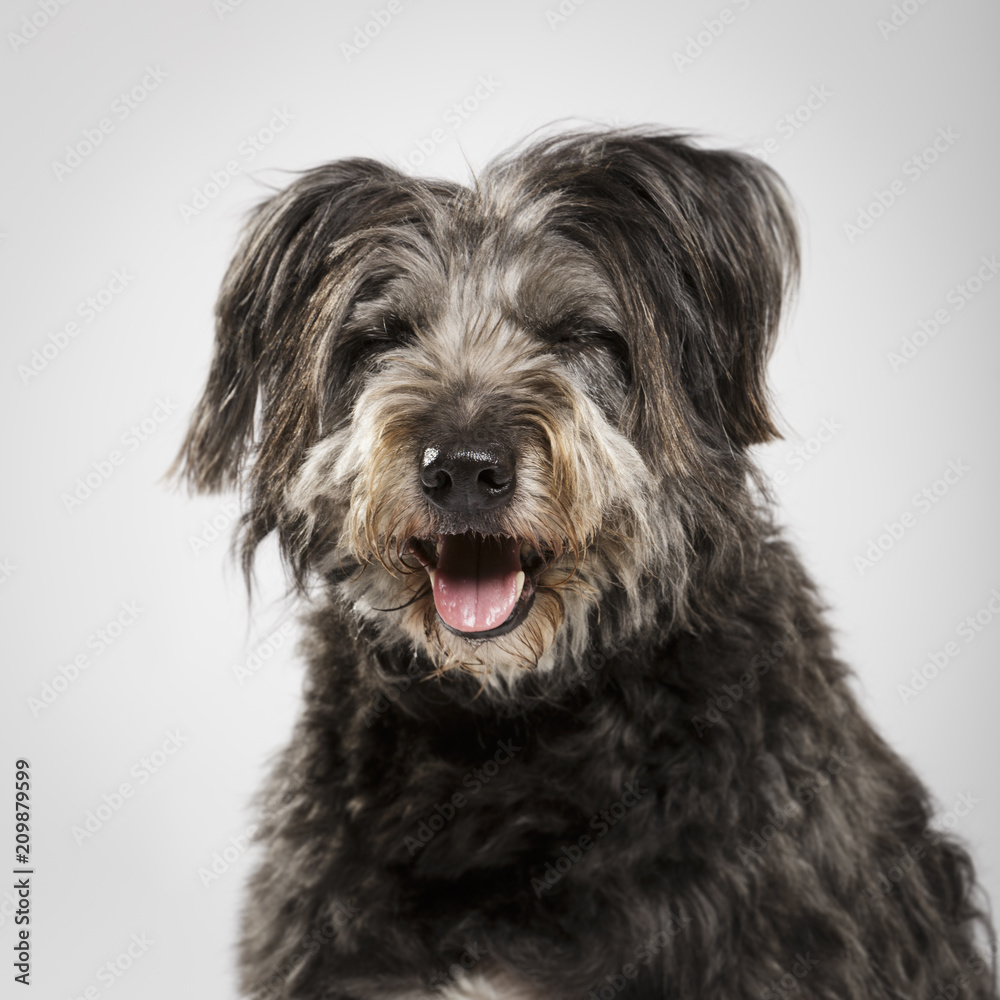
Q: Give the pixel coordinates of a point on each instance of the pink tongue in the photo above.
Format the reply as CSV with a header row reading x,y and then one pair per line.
x,y
475,583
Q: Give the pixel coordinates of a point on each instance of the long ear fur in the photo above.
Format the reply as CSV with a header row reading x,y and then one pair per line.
x,y
260,352
288,290
728,232
702,246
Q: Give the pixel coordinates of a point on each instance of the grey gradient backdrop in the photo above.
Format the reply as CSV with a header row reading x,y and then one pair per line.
x,y
217,79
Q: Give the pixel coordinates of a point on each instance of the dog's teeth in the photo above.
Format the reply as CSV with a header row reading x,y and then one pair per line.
x,y
430,573
520,584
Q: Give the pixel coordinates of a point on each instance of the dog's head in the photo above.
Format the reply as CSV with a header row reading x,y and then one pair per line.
x,y
483,413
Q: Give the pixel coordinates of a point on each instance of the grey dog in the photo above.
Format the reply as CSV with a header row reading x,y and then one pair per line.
x,y
574,726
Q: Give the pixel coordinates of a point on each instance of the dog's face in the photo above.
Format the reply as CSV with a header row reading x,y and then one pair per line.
x,y
482,413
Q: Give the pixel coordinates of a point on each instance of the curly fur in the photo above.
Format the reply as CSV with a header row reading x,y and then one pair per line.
x,y
659,784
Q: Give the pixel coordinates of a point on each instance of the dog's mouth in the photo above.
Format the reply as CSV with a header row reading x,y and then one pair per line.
x,y
483,585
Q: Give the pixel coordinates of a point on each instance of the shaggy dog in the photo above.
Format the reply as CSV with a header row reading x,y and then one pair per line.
x,y
574,726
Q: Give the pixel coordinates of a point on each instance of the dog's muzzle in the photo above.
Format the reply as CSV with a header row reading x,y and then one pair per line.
x,y
483,583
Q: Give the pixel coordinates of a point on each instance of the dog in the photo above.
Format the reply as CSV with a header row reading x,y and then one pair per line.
x,y
574,725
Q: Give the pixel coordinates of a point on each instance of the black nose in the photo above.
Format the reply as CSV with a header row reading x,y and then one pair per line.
x,y
467,477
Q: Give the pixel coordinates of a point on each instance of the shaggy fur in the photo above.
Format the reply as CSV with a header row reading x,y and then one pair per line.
x,y
652,780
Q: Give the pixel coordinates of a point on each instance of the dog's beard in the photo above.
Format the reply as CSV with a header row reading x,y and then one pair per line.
x,y
548,623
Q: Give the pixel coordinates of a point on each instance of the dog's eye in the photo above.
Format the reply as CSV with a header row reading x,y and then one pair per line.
x,y
572,338
360,347
388,332
392,331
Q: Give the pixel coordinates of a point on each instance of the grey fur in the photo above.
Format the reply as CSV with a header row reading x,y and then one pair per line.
x,y
602,305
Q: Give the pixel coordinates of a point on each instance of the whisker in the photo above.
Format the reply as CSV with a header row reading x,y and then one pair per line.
x,y
422,592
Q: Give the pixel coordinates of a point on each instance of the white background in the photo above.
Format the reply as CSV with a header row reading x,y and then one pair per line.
x,y
69,569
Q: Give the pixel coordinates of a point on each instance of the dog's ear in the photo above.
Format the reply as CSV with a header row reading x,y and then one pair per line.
x,y
728,231
268,319
711,239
